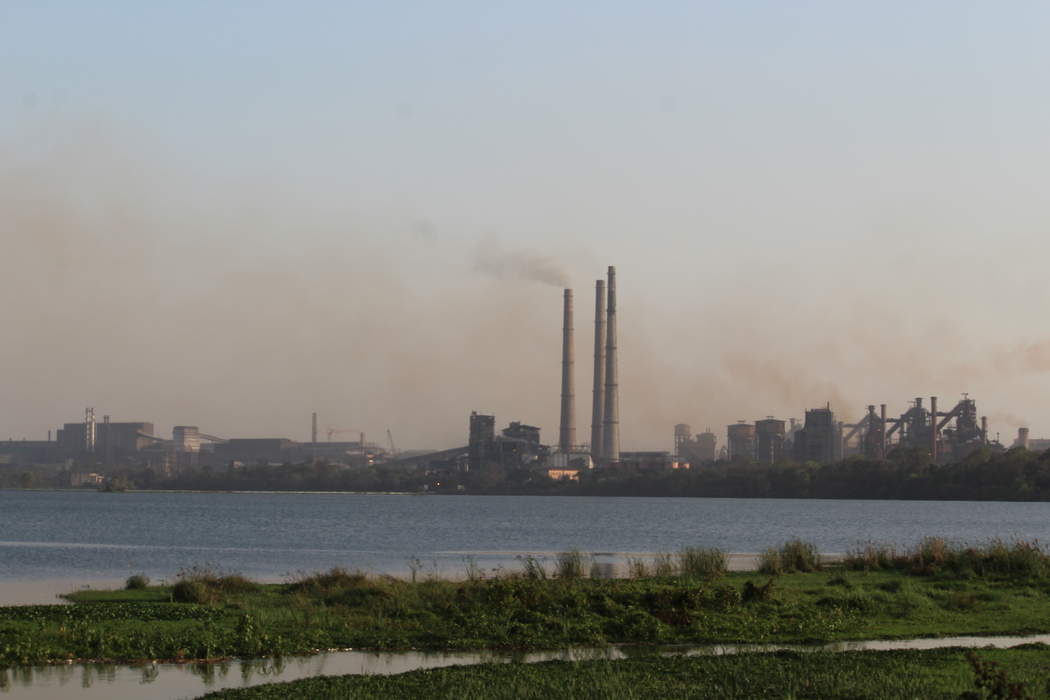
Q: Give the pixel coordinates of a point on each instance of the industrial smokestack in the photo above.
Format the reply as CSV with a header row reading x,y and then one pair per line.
x,y
567,434
106,452
598,405
933,428
611,417
882,438
984,429
89,430
313,427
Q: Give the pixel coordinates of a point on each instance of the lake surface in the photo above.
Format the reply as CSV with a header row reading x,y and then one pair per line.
x,y
60,539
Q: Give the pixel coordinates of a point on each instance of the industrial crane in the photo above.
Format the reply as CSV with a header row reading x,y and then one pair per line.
x,y
390,439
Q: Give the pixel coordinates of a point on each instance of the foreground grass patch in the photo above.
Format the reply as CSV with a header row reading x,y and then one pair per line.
x,y
928,674
206,615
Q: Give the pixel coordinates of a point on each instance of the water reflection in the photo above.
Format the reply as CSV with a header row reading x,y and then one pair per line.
x,y
153,680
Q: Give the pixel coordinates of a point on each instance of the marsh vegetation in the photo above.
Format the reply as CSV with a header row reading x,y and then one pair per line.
x,y
933,589
943,674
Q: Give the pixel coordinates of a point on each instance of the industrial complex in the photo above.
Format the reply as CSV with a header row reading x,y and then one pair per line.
x,y
90,449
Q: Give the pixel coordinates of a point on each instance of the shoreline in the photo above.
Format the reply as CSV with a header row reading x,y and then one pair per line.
x,y
274,492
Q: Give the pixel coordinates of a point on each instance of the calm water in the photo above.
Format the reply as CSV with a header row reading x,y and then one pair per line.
x,y
177,681
62,538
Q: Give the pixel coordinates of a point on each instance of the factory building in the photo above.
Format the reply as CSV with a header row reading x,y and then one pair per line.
x,y
32,452
706,446
820,439
186,438
1029,443
769,443
106,438
741,442
651,460
682,435
946,435
519,445
482,439
255,450
695,450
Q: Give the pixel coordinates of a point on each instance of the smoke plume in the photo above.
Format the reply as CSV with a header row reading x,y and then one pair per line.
x,y
494,260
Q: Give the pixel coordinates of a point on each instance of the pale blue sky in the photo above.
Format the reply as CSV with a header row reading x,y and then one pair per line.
x,y
778,182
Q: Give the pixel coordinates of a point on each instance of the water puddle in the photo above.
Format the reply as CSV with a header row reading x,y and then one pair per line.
x,y
167,681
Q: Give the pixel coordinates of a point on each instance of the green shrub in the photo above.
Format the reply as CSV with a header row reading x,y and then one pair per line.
x,y
532,568
796,555
935,555
793,555
893,586
334,579
752,592
571,564
637,568
136,582
702,562
769,562
187,591
663,565
873,557
213,582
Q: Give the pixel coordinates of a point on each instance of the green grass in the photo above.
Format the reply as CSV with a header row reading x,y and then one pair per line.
x,y
935,554
928,674
935,590
340,609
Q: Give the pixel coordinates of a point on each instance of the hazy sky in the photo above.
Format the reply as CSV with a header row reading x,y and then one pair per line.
x,y
231,214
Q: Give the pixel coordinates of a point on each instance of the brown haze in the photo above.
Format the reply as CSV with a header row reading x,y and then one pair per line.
x,y
126,289
493,259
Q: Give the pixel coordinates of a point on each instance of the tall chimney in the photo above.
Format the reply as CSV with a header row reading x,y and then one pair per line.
x,y
313,427
984,429
567,434
106,450
933,428
882,422
598,405
89,430
611,416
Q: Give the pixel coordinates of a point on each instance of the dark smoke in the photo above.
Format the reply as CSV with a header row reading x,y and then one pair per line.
x,y
494,260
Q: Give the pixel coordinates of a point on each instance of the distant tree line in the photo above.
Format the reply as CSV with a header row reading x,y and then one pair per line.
x,y
1013,475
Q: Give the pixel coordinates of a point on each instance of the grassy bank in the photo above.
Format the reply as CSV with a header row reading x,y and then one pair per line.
x,y
683,599
927,674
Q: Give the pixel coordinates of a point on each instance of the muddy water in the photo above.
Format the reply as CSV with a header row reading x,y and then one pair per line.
x,y
168,681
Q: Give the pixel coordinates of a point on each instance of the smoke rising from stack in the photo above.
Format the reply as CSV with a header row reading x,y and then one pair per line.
x,y
494,260
192,311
